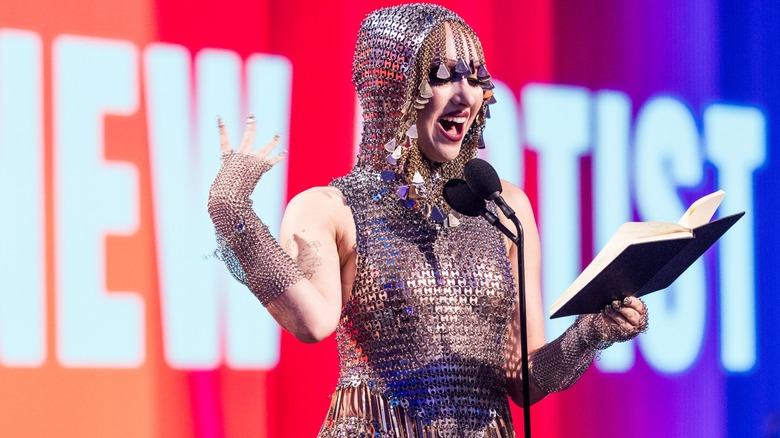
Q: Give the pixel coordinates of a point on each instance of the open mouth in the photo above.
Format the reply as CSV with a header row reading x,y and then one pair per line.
x,y
452,126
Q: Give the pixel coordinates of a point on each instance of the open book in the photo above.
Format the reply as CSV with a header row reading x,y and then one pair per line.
x,y
643,257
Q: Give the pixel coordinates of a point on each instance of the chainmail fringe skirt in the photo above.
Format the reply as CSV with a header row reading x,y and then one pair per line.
x,y
355,412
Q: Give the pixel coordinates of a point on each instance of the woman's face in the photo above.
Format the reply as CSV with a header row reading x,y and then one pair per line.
x,y
445,119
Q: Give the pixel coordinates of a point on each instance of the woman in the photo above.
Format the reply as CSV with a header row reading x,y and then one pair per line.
x,y
423,301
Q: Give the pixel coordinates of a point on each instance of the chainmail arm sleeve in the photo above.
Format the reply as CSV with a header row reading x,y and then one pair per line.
x,y
559,364
251,253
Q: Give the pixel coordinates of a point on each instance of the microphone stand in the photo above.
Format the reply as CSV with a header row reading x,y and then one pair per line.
x,y
524,372
518,240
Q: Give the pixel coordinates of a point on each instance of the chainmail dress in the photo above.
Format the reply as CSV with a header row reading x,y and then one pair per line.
x,y
422,339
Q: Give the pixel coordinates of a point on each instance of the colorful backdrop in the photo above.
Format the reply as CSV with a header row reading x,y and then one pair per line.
x,y
116,319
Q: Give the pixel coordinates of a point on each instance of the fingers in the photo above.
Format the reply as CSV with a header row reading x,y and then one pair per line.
x,y
224,142
624,319
279,157
616,316
249,136
247,141
633,309
629,311
268,147
634,303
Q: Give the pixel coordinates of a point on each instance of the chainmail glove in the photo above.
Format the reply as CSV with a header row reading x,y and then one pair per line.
x,y
251,253
560,363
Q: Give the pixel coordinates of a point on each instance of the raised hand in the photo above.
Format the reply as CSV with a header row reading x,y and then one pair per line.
x,y
247,142
241,169
250,252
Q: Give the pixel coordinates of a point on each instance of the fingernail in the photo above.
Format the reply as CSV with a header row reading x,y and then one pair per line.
x,y
627,301
277,136
616,304
607,308
250,118
220,122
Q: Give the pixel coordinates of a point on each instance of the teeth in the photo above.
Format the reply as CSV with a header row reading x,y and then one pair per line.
x,y
454,119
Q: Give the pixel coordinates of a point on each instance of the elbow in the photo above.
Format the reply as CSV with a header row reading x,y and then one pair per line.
x,y
311,337
515,391
308,327
535,397
314,334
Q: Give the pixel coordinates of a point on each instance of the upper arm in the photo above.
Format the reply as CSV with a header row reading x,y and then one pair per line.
x,y
310,235
531,259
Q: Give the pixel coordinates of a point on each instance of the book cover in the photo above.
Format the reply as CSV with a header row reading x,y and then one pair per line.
x,y
644,257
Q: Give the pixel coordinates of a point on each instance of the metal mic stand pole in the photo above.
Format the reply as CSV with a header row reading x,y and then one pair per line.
x,y
523,329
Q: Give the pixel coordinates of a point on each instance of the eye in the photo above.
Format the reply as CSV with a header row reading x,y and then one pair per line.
x,y
435,80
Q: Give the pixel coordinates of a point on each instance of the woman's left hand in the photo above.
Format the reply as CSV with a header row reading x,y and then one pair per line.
x,y
625,319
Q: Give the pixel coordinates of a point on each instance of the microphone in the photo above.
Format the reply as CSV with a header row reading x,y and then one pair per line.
x,y
483,181
463,200
460,197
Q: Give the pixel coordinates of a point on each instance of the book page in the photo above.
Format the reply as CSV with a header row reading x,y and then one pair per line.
x,y
701,211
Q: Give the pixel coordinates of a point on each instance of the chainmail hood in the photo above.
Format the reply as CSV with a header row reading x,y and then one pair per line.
x,y
387,77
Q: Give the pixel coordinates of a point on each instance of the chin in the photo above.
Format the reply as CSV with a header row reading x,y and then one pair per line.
x,y
440,150
447,157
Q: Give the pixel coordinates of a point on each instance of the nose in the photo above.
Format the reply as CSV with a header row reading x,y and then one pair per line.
x,y
463,93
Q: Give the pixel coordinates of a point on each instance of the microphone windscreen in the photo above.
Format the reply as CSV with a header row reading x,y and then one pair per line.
x,y
460,197
481,178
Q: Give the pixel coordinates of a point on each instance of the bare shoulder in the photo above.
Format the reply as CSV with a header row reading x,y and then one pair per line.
x,y
516,197
323,207
322,196
518,200
320,212
320,204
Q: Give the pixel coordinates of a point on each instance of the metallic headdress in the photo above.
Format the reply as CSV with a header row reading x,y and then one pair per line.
x,y
399,51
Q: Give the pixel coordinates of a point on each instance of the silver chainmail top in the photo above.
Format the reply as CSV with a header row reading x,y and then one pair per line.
x,y
426,325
